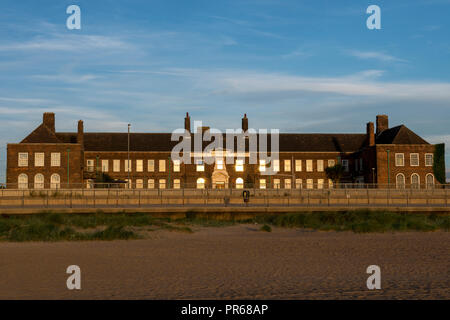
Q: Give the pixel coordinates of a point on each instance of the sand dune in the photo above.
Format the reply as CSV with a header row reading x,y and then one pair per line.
x,y
237,262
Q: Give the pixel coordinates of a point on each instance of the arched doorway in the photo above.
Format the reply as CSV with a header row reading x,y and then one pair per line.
x,y
22,181
39,181
201,183
55,181
415,181
400,181
429,181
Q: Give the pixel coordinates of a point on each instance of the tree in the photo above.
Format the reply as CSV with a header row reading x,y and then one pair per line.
x,y
439,163
335,173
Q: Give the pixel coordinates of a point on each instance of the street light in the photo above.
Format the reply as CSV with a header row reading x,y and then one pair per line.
x,y
373,176
389,169
128,163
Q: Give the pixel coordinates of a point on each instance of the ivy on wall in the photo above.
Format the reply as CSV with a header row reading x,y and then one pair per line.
x,y
439,162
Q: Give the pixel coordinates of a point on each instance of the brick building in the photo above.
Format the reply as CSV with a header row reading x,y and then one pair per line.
x,y
50,159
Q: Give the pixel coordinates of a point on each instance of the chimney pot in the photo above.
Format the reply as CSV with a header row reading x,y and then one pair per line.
x,y
49,120
80,133
370,134
382,123
245,123
187,122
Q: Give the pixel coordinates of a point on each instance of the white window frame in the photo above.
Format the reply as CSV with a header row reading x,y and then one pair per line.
x,y
298,165
298,183
397,184
139,183
309,165
162,184
128,165
22,159
262,165
276,165
262,184
201,183
219,164
39,159
22,181
239,165
415,185
176,165
331,162
116,165
90,165
398,157
55,181
320,183
151,184
427,164
105,165
162,165
150,165
320,166
139,165
276,183
287,183
176,183
39,185
309,183
287,165
411,163
55,159
239,183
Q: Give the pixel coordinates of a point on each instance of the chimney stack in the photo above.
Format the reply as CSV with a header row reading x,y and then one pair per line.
x,y
382,123
187,122
245,123
80,133
49,120
370,134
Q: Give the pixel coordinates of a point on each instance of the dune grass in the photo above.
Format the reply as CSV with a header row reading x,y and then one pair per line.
x,y
49,226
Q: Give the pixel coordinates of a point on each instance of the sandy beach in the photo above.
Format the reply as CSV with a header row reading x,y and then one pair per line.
x,y
236,262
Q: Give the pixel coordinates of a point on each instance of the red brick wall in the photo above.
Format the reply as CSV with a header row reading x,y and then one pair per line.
x,y
407,170
75,163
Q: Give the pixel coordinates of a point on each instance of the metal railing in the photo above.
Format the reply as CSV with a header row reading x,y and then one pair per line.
x,y
121,197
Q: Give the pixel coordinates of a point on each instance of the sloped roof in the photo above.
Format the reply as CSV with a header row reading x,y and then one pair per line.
x,y
399,135
161,142
41,134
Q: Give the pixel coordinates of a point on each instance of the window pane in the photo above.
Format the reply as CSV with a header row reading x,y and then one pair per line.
x,y
39,159
298,165
287,165
23,159
55,159
309,165
139,165
151,166
105,165
176,165
320,165
116,165
287,183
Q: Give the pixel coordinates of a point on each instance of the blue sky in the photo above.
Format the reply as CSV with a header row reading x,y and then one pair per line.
x,y
299,66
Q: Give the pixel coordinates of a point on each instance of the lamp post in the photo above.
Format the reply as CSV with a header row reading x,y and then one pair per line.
x,y
128,163
389,169
68,167
373,176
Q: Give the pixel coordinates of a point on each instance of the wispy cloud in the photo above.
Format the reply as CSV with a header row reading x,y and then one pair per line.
x,y
67,43
375,55
295,54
